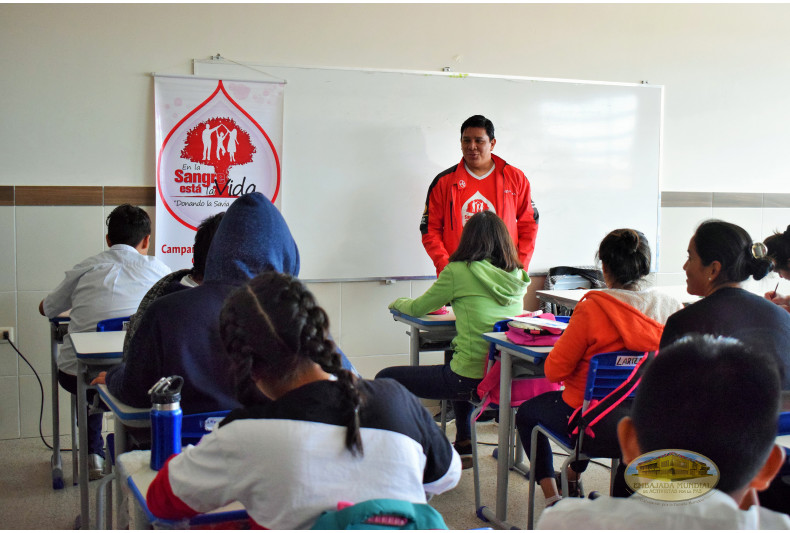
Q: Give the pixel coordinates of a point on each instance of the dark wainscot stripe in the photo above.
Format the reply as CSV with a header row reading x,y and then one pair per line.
x,y
145,196
776,200
737,199
6,195
56,195
686,199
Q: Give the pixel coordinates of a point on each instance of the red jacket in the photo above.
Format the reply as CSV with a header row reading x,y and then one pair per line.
x,y
441,227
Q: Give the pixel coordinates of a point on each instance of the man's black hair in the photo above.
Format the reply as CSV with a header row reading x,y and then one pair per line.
x,y
479,121
714,396
128,224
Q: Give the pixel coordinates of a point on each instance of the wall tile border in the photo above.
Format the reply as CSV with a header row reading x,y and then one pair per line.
x,y
724,199
77,195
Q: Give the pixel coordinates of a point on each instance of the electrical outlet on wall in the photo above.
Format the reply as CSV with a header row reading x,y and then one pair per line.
x,y
6,333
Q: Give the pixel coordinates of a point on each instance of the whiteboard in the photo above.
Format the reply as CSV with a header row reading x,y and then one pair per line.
x,y
361,147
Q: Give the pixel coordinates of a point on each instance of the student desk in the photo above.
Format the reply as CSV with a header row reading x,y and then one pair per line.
x,y
530,362
427,333
92,349
570,297
58,327
134,472
124,416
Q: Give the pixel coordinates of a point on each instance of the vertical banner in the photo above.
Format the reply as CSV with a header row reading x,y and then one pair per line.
x,y
215,141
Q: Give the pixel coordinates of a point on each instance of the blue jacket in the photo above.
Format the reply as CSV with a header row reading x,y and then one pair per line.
x,y
179,333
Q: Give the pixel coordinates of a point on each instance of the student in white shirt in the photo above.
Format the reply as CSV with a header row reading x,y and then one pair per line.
x,y
712,396
107,285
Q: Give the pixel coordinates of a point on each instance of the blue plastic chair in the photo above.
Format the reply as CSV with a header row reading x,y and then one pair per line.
x,y
113,324
603,377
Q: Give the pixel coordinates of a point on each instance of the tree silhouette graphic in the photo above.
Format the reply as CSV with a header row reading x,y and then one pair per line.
x,y
221,143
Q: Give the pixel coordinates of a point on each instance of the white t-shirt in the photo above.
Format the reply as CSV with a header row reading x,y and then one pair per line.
x,y
107,285
715,510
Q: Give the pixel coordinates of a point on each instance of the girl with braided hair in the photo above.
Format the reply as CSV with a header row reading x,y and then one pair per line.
x,y
321,435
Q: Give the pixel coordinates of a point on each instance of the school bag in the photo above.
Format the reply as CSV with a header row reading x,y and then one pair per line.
x,y
381,514
521,390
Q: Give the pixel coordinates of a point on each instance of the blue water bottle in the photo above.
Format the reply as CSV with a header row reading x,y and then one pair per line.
x,y
165,419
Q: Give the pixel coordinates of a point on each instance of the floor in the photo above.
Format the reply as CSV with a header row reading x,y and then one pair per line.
x,y
27,500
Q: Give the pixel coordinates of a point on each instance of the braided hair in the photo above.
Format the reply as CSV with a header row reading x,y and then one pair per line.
x,y
273,330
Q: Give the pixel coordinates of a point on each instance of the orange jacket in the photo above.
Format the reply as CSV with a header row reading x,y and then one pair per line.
x,y
441,221
600,323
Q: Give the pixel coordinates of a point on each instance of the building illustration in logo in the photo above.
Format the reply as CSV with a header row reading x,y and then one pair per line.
x,y
672,466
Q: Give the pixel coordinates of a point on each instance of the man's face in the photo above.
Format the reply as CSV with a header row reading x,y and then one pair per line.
x,y
477,147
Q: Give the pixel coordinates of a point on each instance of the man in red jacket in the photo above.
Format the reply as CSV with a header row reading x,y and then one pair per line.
x,y
480,182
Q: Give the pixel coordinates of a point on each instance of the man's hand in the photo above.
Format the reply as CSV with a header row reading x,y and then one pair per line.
x,y
99,380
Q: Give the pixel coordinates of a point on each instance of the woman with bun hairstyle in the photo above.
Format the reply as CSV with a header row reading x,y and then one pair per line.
x,y
624,316
324,437
721,256
779,251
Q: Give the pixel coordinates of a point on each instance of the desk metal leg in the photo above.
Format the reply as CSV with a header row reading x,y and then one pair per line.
x,y
503,457
56,462
414,346
122,515
82,428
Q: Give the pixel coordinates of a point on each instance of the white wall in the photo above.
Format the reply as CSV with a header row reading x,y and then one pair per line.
x,y
76,100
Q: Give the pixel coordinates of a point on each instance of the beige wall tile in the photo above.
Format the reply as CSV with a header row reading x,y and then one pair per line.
x,y
677,227
9,408
33,333
7,249
52,239
368,327
8,357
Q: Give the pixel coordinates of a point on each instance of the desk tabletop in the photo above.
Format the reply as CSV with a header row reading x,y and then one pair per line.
x,y
501,341
570,297
135,469
98,344
130,416
426,320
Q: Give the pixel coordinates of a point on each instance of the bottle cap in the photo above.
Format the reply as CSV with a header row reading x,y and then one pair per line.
x,y
166,390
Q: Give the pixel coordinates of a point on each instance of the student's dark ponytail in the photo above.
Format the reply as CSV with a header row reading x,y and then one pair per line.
x,y
273,329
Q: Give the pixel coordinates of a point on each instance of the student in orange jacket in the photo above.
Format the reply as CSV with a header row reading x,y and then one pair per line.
x,y
621,317
480,182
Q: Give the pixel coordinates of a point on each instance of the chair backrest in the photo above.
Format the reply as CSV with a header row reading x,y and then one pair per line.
x,y
194,426
608,371
784,424
113,324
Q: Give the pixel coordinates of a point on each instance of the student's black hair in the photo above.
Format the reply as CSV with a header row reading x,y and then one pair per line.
x,y
479,121
626,254
779,249
485,236
128,225
714,396
203,237
272,329
731,246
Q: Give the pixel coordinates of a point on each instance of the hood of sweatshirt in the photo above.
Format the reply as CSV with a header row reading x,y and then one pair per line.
x,y
505,287
638,331
252,238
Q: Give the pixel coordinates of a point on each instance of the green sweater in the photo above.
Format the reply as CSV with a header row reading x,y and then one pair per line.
x,y
481,294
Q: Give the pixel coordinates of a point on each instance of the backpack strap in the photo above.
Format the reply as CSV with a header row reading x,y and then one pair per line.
x,y
583,420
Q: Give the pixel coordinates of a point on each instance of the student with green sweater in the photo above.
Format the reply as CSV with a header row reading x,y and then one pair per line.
x,y
484,282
